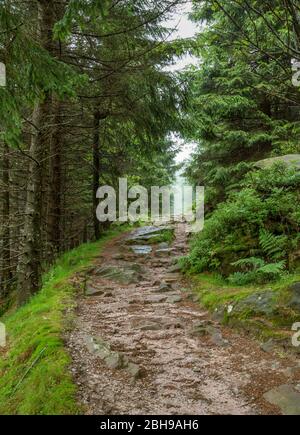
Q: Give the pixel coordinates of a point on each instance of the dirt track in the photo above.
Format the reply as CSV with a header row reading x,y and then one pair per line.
x,y
164,354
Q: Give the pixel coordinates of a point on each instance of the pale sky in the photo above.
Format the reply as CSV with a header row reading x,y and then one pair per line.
x,y
185,29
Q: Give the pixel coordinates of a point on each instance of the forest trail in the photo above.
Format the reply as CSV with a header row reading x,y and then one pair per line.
x,y
143,345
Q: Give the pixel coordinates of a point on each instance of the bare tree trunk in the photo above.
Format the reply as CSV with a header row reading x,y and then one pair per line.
x,y
6,260
96,171
55,203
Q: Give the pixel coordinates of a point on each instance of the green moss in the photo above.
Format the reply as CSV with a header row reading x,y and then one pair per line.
x,y
215,293
164,236
34,374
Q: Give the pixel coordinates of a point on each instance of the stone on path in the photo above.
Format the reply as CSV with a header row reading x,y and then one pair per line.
x,y
174,299
134,371
115,361
130,274
200,328
93,291
141,249
163,245
151,327
169,279
164,252
148,234
269,346
98,347
112,359
218,340
175,268
155,299
205,328
164,288
286,398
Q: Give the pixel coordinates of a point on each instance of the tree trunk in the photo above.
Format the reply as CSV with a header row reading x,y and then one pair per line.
x,y
29,267
6,261
96,171
54,214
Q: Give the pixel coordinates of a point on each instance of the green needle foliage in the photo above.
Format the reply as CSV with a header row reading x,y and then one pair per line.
x,y
244,108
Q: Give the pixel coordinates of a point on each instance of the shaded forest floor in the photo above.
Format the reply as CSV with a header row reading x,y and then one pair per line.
x,y
142,344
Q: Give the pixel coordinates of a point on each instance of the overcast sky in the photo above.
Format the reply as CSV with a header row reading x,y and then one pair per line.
x,y
185,29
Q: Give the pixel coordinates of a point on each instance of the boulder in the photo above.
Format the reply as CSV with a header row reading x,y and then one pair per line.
x,y
295,299
257,303
291,160
130,274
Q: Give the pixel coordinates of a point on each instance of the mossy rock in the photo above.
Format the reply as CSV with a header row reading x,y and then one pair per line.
x,y
131,274
260,303
294,302
290,160
151,235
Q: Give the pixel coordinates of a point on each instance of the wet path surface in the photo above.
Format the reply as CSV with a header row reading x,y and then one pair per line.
x,y
142,346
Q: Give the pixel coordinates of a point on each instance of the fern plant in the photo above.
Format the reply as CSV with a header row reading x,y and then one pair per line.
x,y
256,270
274,247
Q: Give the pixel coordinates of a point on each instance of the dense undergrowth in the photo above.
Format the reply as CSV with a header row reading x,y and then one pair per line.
x,y
254,236
34,375
248,255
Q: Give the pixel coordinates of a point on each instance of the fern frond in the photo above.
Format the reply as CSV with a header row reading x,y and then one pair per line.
x,y
252,262
273,268
272,246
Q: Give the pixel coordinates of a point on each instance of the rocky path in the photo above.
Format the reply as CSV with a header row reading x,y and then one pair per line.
x,y
143,346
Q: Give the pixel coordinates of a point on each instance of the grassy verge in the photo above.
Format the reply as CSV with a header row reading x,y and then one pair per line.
x,y
34,375
219,297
